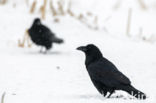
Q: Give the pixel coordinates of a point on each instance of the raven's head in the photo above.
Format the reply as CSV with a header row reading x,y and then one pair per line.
x,y
37,21
91,51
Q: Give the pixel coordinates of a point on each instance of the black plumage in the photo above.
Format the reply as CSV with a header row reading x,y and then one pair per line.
x,y
105,75
42,35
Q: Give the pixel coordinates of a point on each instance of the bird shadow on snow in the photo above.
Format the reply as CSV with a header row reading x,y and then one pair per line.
x,y
47,53
89,97
100,97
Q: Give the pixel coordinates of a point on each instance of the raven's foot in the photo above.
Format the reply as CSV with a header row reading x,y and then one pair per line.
x,y
111,92
41,50
45,52
109,95
104,93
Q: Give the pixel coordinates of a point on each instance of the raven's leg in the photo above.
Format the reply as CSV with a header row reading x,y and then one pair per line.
x,y
48,47
111,92
46,50
41,49
104,93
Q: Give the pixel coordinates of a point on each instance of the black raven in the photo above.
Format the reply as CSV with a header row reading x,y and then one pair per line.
x,y
105,75
42,35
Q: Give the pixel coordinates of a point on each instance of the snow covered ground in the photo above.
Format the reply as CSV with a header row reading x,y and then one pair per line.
x,y
60,76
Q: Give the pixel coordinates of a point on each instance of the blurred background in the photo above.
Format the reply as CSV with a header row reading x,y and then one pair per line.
x,y
118,18
124,30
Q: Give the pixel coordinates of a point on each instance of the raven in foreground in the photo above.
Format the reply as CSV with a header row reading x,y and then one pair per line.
x,y
42,35
104,74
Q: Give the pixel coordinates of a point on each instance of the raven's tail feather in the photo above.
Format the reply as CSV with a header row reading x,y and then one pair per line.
x,y
58,40
134,92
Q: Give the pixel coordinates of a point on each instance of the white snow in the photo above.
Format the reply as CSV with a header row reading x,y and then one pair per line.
x,y
60,76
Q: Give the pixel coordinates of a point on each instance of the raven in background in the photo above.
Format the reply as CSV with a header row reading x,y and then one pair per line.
x,y
42,35
104,74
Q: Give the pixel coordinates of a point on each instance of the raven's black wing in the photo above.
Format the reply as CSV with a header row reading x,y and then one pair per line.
x,y
45,32
106,73
49,35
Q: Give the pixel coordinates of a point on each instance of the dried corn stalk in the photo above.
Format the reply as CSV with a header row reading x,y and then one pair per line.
x,y
54,13
129,22
69,9
142,4
25,38
60,7
43,9
3,2
3,96
33,6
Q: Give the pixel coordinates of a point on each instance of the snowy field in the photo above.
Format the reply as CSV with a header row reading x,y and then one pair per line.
x,y
60,76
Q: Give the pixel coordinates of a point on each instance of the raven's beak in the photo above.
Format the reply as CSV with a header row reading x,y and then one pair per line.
x,y
82,48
